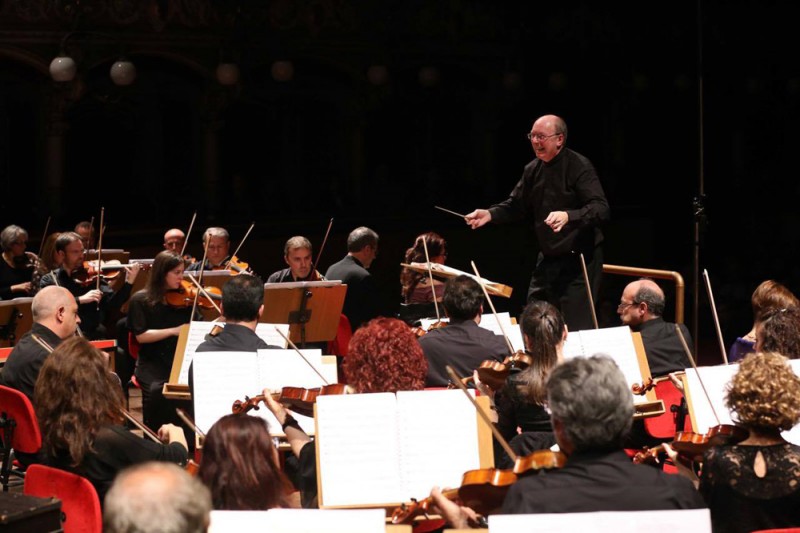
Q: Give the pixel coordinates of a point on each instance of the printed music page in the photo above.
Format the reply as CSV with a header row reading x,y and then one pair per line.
x,y
198,331
716,379
397,447
438,440
299,521
689,520
286,368
614,342
513,331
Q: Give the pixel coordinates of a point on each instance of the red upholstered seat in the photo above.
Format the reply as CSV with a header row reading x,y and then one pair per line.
x,y
663,426
80,506
19,430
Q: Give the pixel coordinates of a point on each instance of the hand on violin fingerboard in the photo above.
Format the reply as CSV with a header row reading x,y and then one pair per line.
x,y
132,272
93,295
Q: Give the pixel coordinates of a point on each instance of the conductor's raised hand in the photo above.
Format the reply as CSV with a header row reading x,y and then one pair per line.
x,y
478,218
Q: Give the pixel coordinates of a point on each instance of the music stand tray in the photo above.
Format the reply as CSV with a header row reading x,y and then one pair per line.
x,y
311,308
16,320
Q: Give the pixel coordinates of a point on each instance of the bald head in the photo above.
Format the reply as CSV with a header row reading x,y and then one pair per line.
x,y
157,498
642,300
548,136
56,309
174,239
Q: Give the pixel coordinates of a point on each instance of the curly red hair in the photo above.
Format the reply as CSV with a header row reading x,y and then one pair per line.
x,y
384,356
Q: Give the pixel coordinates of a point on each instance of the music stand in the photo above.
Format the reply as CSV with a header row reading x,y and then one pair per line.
x,y
16,319
311,308
108,254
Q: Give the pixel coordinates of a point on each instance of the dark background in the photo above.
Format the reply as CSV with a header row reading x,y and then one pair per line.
x,y
464,80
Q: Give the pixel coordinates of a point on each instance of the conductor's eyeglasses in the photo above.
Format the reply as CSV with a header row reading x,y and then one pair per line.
x,y
625,305
538,137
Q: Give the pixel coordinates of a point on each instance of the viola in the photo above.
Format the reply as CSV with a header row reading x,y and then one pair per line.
x,y
186,294
692,446
494,373
298,399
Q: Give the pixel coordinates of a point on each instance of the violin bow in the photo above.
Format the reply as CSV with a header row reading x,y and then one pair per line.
x,y
146,430
100,250
589,291
454,377
716,317
44,237
491,305
189,232
319,254
205,293
292,345
430,275
189,422
202,270
41,342
228,264
694,365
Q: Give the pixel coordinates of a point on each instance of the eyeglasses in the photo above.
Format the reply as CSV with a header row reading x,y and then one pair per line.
x,y
538,137
625,305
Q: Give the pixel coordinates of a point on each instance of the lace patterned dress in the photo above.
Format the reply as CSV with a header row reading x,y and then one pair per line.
x,y
741,500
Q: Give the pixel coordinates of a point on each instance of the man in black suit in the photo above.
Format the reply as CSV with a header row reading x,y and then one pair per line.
x,y
361,301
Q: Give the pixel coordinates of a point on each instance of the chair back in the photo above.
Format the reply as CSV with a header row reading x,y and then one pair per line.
x,y
17,410
665,426
339,345
80,506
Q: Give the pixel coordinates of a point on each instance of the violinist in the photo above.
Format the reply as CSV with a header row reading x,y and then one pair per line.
x,y
462,344
17,267
218,242
361,302
755,484
779,331
297,253
416,286
94,304
768,296
155,326
76,385
174,239
241,467
520,404
86,230
591,409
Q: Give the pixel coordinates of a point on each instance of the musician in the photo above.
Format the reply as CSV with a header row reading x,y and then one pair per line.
x,y
298,255
241,467
561,195
779,331
17,266
462,344
79,406
217,242
361,303
641,307
416,286
769,295
70,251
521,403
174,239
86,230
55,317
49,260
591,409
755,484
156,498
384,356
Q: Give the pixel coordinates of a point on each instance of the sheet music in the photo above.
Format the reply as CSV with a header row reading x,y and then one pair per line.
x,y
299,284
689,521
429,419
513,331
285,368
357,440
716,379
299,521
220,378
614,342
198,331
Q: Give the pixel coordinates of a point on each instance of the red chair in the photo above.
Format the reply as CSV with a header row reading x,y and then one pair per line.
x,y
133,350
20,431
80,506
779,530
338,346
665,426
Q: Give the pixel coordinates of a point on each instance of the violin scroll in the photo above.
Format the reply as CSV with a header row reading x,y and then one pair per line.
x,y
640,389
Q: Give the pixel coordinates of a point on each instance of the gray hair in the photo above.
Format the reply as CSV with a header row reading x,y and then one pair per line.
x,y
156,497
591,399
216,232
296,242
360,238
9,236
654,299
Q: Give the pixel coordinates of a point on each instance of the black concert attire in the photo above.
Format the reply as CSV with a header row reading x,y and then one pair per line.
x,y
361,301
462,344
285,276
515,414
568,183
91,317
601,481
739,500
13,276
196,266
26,359
154,363
114,449
663,347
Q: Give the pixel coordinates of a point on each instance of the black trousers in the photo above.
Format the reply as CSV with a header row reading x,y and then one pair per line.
x,y
559,280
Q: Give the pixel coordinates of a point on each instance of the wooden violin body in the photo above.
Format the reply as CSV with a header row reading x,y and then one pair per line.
x,y
494,373
185,296
298,399
692,446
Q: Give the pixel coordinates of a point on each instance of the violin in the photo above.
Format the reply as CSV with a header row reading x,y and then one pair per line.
x,y
185,296
640,389
419,331
236,266
297,399
88,273
485,489
692,446
494,373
